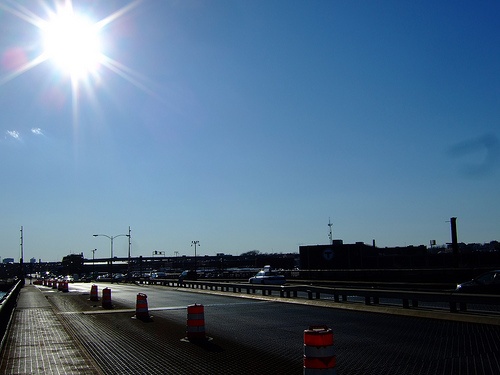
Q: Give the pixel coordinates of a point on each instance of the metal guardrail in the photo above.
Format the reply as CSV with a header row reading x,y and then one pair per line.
x,y
408,299
7,305
455,301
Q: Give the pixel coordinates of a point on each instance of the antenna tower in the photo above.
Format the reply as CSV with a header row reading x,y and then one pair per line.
x,y
330,235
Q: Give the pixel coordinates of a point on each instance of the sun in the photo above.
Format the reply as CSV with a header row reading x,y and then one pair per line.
x,y
73,43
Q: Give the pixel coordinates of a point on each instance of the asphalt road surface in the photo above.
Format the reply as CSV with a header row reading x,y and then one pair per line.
x,y
251,336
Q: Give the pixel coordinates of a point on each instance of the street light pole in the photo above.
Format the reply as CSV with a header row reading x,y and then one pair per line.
x,y
111,238
195,243
93,263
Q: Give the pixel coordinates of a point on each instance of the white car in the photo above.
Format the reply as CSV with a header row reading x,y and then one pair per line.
x,y
267,276
158,275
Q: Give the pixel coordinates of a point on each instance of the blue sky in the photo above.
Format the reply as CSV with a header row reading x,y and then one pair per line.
x,y
246,125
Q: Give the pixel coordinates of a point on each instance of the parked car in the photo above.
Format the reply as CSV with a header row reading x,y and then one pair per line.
x,y
487,283
103,277
86,278
267,276
158,275
188,275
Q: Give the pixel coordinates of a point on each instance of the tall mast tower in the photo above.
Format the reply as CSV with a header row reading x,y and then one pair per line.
x,y
330,235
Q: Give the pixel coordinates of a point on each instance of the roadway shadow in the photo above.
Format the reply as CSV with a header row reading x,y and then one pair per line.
x,y
207,345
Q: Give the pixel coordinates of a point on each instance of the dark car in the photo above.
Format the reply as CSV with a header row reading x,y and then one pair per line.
x,y
188,275
487,283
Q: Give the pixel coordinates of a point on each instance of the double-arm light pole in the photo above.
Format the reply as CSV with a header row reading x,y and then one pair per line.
x,y
195,243
93,264
111,238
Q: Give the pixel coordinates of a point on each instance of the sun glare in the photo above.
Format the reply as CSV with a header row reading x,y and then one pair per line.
x,y
72,43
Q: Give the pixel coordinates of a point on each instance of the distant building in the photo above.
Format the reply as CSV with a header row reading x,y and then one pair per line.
x,y
336,255
73,264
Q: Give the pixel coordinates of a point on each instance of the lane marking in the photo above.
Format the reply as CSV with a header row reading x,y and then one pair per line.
x,y
164,308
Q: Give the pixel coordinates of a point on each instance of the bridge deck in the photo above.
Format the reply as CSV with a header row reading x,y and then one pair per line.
x,y
38,343
51,335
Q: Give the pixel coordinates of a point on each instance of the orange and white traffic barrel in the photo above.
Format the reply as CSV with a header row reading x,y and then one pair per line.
x,y
141,307
106,298
319,353
93,293
65,287
54,284
195,322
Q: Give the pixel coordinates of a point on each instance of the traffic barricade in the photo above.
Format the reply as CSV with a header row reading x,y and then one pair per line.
x,y
319,353
106,298
141,307
195,322
93,293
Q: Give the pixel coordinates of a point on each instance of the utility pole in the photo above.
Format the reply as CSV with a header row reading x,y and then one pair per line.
x,y
21,260
330,234
129,246
454,240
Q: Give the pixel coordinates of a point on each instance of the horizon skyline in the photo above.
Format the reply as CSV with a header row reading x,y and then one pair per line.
x,y
176,253
247,124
